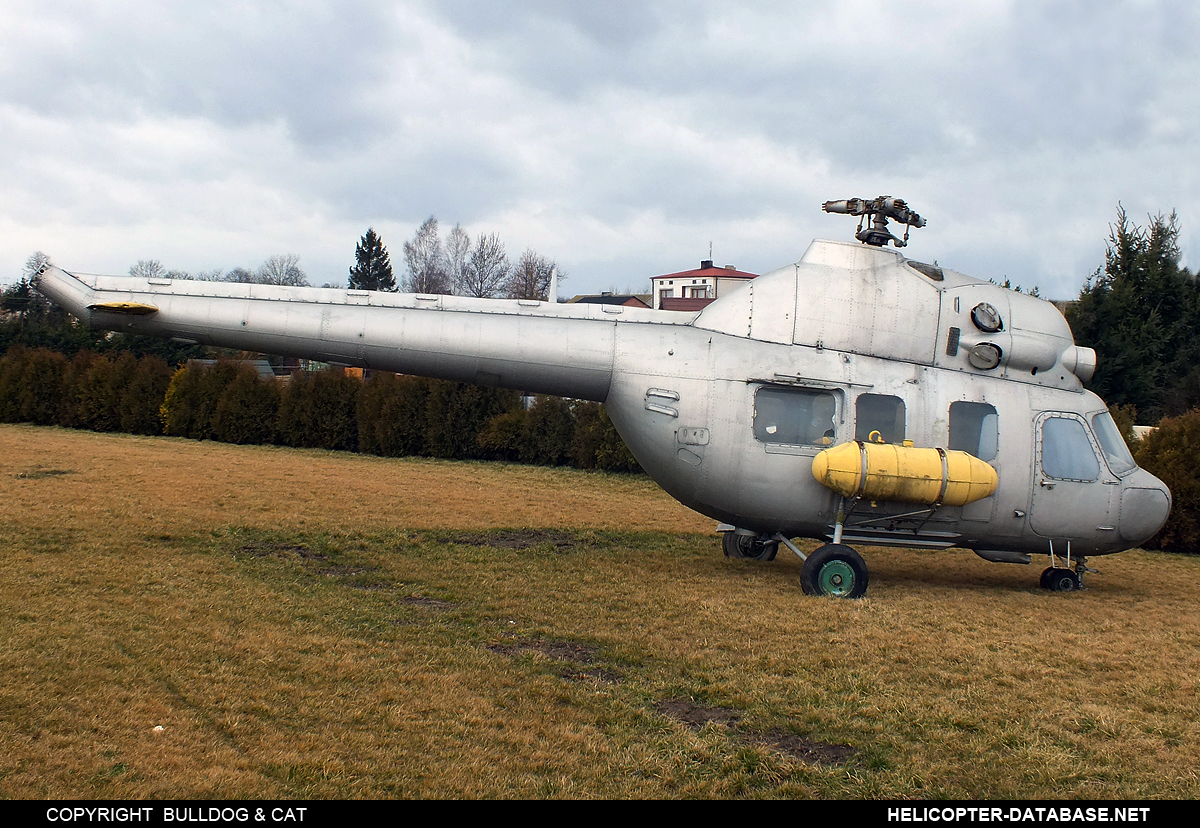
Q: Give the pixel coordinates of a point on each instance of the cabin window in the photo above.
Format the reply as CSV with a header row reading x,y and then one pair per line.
x,y
1067,452
881,413
1113,444
795,416
974,428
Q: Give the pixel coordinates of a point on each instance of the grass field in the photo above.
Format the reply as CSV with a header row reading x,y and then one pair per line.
x,y
188,619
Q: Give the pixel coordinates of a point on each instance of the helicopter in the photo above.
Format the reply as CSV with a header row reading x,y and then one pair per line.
x,y
854,397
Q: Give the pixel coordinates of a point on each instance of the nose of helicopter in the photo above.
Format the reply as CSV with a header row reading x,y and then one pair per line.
x,y
1145,504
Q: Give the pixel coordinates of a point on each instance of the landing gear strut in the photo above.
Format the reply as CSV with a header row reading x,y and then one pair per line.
x,y
1063,578
833,569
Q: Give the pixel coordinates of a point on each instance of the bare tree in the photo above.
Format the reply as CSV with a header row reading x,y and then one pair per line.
x,y
486,269
238,274
148,269
22,299
426,260
34,264
458,251
282,270
530,276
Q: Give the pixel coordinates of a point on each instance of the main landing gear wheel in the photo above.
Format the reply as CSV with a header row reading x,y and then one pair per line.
x,y
834,569
1059,579
755,547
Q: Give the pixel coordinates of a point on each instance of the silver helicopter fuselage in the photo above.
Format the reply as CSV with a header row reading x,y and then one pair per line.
x,y
853,342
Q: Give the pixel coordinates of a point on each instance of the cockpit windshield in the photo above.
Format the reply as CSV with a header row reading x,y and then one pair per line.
x,y
1116,453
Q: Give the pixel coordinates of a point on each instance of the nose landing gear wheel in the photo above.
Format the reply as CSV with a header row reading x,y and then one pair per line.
x,y
1059,579
834,569
755,547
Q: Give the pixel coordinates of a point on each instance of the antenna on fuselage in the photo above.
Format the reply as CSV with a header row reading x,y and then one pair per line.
x,y
879,210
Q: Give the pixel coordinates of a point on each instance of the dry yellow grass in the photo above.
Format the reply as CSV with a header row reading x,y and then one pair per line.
x,y
148,483
312,624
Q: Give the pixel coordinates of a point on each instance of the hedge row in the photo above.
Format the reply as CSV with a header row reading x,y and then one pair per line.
x,y
387,415
102,393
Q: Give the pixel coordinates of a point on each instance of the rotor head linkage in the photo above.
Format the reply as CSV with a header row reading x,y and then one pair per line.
x,y
879,210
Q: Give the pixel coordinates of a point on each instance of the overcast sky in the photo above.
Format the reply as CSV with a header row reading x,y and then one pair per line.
x,y
617,138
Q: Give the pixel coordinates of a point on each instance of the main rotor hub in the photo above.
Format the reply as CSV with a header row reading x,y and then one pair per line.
x,y
878,210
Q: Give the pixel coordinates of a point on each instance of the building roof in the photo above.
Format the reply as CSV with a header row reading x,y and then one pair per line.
x,y
628,300
707,270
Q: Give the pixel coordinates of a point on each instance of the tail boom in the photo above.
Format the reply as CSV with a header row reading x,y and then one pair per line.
x,y
539,347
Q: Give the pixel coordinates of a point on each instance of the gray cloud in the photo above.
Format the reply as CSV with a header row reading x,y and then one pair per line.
x,y
619,139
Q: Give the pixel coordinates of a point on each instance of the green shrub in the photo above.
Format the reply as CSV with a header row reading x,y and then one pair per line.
x,y
178,405
142,398
12,378
247,410
320,410
41,394
189,406
11,367
214,379
596,444
391,415
549,429
31,385
456,413
1172,453
73,378
101,392
504,435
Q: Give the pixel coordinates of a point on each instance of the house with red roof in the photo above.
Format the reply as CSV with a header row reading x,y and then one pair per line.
x,y
691,290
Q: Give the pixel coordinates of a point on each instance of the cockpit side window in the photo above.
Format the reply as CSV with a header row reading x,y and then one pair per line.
x,y
795,416
974,428
1116,453
879,412
1066,451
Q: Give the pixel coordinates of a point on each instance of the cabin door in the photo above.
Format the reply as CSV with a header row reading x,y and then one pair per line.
x,y
1072,487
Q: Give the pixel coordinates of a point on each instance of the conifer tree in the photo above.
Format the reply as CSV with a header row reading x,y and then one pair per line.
x,y
373,267
1140,314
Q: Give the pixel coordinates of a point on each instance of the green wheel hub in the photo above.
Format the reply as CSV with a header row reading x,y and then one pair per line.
x,y
836,578
834,569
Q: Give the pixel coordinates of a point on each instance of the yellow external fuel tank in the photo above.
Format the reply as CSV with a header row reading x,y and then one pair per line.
x,y
884,471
